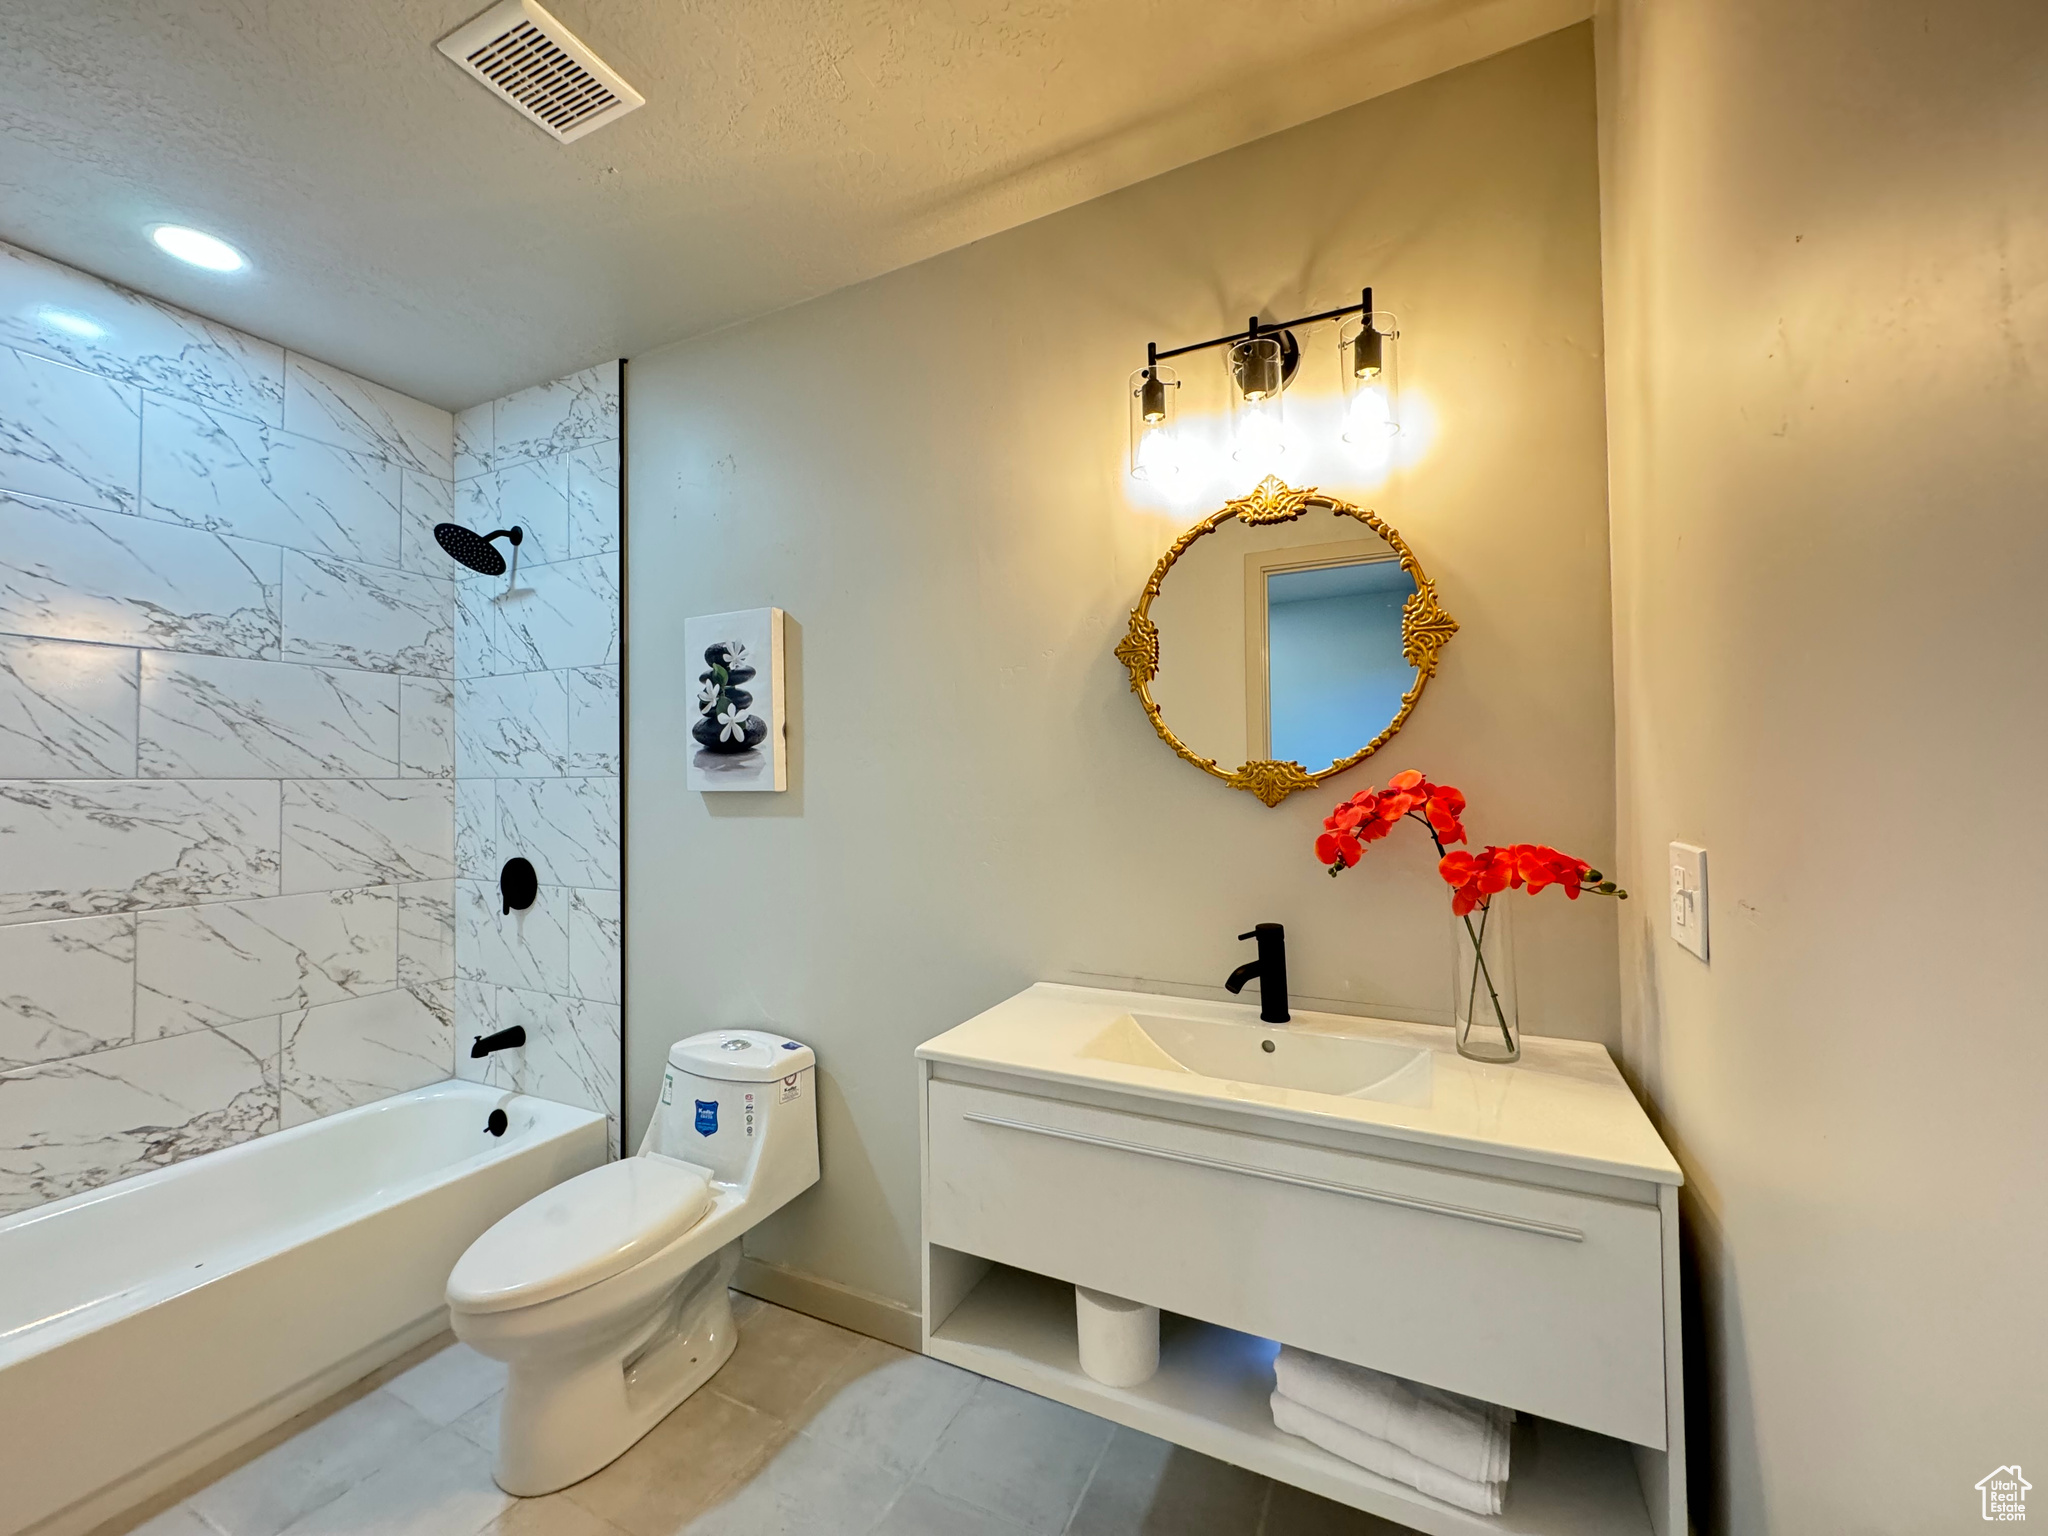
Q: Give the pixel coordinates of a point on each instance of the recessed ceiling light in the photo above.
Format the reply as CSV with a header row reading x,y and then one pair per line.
x,y
198,247
71,324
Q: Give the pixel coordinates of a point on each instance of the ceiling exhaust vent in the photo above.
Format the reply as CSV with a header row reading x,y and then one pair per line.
x,y
542,68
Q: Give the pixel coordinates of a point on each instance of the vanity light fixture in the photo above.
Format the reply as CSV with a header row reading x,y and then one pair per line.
x,y
1367,354
1260,366
1154,394
198,248
1262,360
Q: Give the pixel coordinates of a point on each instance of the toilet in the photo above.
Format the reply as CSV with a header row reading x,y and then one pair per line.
x,y
606,1296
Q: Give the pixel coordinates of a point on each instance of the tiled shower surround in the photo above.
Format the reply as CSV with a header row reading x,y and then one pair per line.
x,y
227,737
537,740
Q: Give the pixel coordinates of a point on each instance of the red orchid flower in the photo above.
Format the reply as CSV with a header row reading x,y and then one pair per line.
x,y
1371,814
1474,878
1445,807
1334,846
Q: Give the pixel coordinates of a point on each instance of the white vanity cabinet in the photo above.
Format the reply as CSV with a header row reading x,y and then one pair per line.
x,y
1494,1236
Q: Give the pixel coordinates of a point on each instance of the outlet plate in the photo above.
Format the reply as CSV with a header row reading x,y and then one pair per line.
x,y
1689,897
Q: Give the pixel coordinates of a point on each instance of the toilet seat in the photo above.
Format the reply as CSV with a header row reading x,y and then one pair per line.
x,y
587,1229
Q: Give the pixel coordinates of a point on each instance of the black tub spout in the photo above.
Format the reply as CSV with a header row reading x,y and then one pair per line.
x,y
503,1040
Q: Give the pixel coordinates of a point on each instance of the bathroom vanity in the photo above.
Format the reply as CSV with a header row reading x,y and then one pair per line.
x,y
1348,1186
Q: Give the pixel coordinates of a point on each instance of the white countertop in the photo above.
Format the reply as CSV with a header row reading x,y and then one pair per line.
x,y
1564,1103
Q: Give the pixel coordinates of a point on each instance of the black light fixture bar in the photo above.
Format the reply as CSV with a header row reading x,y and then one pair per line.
x,y
1153,356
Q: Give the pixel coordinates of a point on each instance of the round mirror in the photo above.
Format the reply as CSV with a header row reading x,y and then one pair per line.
x,y
1284,639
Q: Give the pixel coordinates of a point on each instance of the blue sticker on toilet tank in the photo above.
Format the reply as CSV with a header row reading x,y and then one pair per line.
x,y
707,1117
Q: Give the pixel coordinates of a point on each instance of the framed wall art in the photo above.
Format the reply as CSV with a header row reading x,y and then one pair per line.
x,y
736,681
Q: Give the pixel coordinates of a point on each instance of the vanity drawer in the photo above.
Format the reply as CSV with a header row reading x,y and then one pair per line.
x,y
1542,1299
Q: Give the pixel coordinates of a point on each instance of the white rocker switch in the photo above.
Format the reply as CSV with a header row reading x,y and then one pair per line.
x,y
1689,897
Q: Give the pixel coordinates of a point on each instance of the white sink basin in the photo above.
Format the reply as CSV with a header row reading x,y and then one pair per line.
x,y
1268,1056
1563,1104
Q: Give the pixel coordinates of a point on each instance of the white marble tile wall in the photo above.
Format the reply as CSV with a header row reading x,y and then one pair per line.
x,y
536,745
228,649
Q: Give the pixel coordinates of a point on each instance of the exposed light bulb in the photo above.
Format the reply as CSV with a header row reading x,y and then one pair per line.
x,y
1261,439
198,248
1159,459
1370,419
1154,451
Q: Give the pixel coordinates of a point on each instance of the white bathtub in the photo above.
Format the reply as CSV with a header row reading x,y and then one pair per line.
x,y
152,1326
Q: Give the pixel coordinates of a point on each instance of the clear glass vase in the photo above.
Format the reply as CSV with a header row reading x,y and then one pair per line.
x,y
1483,982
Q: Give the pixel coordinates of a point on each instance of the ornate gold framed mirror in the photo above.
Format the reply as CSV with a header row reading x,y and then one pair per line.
x,y
1298,626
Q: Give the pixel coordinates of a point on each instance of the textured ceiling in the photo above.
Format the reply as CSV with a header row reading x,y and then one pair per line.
x,y
404,223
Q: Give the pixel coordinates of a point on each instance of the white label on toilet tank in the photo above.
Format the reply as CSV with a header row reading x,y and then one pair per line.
x,y
788,1089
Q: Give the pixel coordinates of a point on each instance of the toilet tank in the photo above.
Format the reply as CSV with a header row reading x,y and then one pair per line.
x,y
744,1104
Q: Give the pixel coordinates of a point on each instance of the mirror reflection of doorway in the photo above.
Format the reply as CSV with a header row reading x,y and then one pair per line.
x,y
1328,672
1335,673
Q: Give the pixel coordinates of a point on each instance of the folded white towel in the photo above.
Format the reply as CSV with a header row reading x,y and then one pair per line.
x,y
1389,1460
1465,1437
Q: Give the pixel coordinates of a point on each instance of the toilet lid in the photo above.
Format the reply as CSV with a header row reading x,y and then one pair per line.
x,y
580,1232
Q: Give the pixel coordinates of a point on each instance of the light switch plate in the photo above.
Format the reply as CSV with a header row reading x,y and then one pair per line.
x,y
1689,897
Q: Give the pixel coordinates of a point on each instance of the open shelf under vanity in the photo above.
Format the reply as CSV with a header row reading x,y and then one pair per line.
x,y
1510,1234
1211,1396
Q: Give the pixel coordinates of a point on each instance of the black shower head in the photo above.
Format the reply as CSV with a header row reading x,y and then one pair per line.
x,y
473,549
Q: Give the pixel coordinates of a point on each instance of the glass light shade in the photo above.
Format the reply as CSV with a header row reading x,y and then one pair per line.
x,y
1154,402
1368,359
1259,429
1257,366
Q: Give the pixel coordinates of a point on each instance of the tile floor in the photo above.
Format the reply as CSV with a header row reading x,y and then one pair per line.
x,y
809,1430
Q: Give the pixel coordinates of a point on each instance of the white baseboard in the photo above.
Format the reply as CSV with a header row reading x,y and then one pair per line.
x,y
876,1316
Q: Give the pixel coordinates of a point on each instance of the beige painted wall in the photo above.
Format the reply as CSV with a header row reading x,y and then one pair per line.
x,y
927,472
1827,262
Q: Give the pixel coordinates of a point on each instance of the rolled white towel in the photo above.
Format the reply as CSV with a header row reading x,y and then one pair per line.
x,y
1385,1458
1465,1437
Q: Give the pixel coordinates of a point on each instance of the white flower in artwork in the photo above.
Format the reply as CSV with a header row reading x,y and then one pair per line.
x,y
735,654
707,692
732,723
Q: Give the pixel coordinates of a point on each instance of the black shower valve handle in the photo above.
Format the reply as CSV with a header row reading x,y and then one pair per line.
x,y
518,885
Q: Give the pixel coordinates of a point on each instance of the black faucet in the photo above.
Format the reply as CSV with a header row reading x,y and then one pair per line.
x,y
1270,968
503,1040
